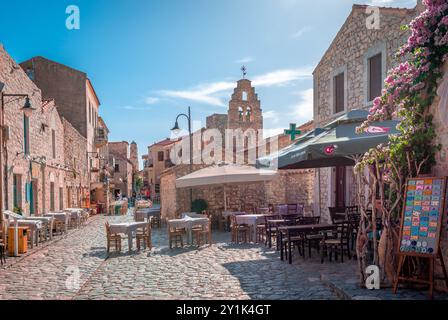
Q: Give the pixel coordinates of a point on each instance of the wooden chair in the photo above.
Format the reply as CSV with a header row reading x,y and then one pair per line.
x,y
336,242
176,236
2,249
144,235
156,221
112,239
336,214
59,226
270,230
203,234
239,230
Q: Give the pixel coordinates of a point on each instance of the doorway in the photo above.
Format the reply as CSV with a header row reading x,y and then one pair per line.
x,y
341,179
52,207
33,198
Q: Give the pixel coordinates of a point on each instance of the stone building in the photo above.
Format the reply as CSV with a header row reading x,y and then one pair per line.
x,y
76,99
123,168
77,178
244,113
35,172
349,76
101,193
156,161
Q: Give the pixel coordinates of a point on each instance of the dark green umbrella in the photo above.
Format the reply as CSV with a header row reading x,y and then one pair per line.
x,y
334,145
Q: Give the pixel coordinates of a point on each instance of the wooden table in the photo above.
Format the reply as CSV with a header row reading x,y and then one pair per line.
x,y
128,228
303,230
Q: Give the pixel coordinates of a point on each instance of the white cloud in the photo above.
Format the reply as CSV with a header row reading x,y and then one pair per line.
x,y
271,115
245,60
303,110
212,93
132,108
281,77
151,100
301,31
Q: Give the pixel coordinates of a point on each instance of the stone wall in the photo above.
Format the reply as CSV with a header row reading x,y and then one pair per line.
x,y
66,85
439,110
35,172
77,179
349,53
290,186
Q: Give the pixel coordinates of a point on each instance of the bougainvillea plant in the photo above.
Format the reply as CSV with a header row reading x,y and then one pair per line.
x,y
409,92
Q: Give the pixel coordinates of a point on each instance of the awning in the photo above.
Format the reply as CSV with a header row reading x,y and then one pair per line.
x,y
334,146
225,174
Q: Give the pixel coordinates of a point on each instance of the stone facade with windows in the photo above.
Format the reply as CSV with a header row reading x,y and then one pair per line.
x,y
349,76
46,155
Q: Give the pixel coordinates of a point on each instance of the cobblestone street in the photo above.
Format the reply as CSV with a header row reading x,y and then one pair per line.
x,y
223,271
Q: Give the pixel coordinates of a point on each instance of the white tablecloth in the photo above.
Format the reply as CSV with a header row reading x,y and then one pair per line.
x,y
252,220
47,222
128,228
59,216
188,223
227,214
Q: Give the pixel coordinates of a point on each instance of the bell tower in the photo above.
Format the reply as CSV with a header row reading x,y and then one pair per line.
x,y
244,107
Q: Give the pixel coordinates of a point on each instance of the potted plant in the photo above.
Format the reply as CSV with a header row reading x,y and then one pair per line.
x,y
199,205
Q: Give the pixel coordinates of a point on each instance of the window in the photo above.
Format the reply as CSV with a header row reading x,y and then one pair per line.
x,y
26,135
160,156
168,154
240,113
52,208
61,198
53,143
117,168
17,191
338,93
157,188
248,114
375,80
244,96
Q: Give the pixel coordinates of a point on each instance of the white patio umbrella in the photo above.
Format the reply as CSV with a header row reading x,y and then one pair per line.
x,y
223,175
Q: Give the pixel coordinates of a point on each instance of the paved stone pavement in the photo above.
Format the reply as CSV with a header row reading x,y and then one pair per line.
x,y
78,267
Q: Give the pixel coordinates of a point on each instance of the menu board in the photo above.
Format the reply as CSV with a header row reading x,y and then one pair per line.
x,y
424,208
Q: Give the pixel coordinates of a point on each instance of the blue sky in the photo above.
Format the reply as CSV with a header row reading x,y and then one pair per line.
x,y
149,59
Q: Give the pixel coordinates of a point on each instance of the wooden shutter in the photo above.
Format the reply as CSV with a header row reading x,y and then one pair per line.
x,y
375,81
339,99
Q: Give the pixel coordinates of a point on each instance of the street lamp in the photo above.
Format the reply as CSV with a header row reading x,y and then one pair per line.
x,y
27,109
176,130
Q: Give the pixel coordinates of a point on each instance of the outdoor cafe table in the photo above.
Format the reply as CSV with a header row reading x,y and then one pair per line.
x,y
142,214
75,214
47,223
188,223
299,229
252,220
59,216
128,228
33,226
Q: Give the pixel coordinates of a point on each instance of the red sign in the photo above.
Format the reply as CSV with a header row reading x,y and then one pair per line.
x,y
330,149
376,129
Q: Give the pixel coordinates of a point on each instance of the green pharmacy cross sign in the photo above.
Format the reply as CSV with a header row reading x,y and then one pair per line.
x,y
293,131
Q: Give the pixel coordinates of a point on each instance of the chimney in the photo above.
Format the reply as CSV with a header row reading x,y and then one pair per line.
x,y
420,7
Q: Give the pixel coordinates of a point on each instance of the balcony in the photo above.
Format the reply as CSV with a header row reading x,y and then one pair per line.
x,y
101,138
